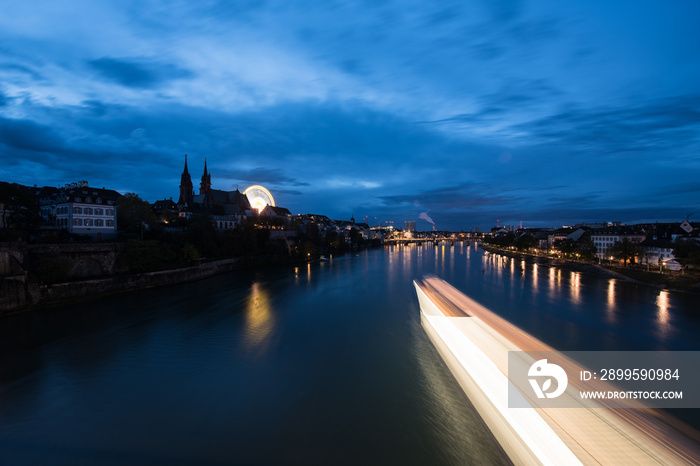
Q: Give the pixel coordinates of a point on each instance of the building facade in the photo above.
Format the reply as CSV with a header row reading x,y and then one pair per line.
x,y
80,209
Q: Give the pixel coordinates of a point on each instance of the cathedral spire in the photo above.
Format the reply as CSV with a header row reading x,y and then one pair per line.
x,y
205,185
186,188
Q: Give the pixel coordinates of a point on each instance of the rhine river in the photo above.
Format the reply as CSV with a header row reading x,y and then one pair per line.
x,y
323,363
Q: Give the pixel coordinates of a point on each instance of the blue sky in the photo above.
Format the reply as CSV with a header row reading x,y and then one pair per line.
x,y
544,112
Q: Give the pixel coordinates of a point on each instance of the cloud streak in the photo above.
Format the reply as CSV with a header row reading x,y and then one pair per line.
x,y
138,73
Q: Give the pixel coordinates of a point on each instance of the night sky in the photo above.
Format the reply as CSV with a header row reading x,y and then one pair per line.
x,y
545,112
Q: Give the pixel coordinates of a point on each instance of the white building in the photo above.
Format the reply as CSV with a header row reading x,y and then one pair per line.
x,y
605,238
80,209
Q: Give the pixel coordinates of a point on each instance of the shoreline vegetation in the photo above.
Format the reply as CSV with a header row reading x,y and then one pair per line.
x,y
671,281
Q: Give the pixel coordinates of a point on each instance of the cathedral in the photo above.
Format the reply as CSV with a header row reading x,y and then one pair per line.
x,y
226,208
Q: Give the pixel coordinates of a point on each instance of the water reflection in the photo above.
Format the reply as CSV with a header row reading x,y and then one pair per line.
x,y
552,282
534,276
662,305
611,301
575,287
259,318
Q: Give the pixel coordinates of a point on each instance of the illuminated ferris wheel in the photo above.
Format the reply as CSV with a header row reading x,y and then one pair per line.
x,y
259,197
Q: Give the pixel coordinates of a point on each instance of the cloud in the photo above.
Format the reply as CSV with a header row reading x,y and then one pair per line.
x,y
138,72
30,136
464,197
659,124
16,69
260,175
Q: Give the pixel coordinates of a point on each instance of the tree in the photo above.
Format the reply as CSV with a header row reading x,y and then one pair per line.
x,y
355,237
623,250
502,241
587,249
203,236
525,242
133,213
19,211
566,247
687,252
147,256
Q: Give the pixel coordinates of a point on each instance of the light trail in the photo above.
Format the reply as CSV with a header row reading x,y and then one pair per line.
x,y
474,342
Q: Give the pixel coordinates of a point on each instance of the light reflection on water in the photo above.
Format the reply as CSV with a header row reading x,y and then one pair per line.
x,y
611,301
259,318
662,303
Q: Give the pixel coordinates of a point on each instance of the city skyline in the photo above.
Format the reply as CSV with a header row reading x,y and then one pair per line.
x,y
539,112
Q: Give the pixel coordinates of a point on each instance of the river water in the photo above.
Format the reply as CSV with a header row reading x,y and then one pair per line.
x,y
322,363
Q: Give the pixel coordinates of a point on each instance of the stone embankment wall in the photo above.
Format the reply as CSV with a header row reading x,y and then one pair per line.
x,y
85,260
92,270
13,276
72,291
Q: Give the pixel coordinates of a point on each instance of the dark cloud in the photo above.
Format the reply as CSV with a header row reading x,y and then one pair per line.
x,y
678,188
462,197
261,175
505,10
16,68
30,136
660,124
137,72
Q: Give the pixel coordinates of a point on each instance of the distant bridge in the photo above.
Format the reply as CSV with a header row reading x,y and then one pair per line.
x,y
437,241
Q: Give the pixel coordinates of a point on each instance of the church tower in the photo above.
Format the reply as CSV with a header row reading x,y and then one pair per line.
x,y
186,187
205,185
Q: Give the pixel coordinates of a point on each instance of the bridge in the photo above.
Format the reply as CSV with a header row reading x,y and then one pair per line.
x,y
437,241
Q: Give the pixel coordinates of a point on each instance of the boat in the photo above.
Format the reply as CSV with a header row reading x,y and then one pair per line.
x,y
475,344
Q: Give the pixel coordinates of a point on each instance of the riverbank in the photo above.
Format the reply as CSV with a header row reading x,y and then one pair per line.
x,y
688,283
21,291
17,294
